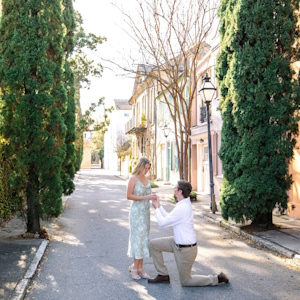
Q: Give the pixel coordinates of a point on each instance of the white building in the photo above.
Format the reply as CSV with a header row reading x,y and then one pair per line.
x,y
120,115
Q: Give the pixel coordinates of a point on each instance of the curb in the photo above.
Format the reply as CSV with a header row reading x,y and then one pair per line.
x,y
121,177
22,285
254,238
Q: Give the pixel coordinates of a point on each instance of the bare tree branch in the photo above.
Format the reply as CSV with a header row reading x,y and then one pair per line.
x,y
171,37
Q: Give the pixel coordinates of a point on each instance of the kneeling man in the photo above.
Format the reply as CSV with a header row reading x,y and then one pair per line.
x,y
183,244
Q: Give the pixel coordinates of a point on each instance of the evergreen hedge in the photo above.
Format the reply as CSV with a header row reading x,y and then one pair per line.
x,y
33,50
8,205
259,103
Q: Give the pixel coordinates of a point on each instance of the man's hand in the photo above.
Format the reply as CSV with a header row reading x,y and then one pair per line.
x,y
156,203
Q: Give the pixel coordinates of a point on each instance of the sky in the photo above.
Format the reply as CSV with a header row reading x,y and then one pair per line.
x,y
102,18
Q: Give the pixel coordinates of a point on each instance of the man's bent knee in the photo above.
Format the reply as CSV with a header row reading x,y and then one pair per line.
x,y
152,243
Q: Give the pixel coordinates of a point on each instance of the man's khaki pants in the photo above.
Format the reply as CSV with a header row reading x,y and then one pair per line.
x,y
184,258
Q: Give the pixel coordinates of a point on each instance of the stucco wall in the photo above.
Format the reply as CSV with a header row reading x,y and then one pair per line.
x,y
294,193
87,154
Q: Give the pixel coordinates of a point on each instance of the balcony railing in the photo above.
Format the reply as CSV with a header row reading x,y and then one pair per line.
x,y
133,127
129,125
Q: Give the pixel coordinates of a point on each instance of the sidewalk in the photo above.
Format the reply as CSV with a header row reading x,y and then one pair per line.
x,y
19,257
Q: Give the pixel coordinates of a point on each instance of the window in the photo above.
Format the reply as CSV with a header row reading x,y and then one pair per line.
x,y
187,91
205,153
174,157
137,116
144,105
143,146
151,105
161,113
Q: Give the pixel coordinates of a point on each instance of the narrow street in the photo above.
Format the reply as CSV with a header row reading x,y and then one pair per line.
x,y
86,257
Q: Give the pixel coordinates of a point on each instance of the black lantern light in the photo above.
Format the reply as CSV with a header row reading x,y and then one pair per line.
x,y
207,93
166,130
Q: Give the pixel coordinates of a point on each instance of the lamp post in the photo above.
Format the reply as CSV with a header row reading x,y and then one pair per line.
x,y
207,92
166,131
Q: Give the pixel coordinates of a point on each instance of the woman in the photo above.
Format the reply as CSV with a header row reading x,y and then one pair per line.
x,y
139,191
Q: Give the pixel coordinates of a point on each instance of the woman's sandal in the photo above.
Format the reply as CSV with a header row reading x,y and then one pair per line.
x,y
134,272
143,274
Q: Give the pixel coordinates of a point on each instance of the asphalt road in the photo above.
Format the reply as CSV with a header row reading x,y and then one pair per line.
x,y
86,257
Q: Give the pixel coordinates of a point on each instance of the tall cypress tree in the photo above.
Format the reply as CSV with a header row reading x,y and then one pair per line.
x,y
68,170
259,100
34,97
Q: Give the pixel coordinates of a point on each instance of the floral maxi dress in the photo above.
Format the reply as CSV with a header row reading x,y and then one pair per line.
x,y
139,220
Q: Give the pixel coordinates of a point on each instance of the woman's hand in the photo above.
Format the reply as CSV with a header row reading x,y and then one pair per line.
x,y
152,197
156,203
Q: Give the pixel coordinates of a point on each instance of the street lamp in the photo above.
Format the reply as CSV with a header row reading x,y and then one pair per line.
x,y
166,130
207,92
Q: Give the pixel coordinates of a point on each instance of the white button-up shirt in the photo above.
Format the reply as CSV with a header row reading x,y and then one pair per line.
x,y
182,220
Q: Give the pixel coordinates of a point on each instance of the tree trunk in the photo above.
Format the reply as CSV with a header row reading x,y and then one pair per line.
x,y
33,218
264,220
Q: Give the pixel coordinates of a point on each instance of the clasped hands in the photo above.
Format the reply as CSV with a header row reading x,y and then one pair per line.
x,y
155,200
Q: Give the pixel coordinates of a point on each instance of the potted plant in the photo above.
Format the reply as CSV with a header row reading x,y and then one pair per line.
x,y
174,199
193,196
143,120
153,184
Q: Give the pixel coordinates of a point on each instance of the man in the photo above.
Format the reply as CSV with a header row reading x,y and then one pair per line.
x,y
183,244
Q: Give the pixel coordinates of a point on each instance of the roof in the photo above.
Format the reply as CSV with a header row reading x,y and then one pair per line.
x,y
122,104
142,73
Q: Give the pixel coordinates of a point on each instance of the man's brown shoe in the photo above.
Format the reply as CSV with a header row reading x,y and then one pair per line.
x,y
222,278
160,279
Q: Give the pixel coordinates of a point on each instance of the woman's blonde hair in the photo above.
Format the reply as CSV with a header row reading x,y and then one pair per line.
x,y
140,167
